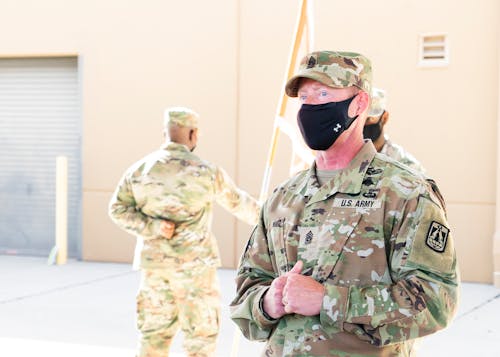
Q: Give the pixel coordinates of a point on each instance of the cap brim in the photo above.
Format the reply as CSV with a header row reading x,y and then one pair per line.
x,y
292,86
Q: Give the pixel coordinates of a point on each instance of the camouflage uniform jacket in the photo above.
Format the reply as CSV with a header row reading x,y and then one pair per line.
x,y
399,154
176,185
376,237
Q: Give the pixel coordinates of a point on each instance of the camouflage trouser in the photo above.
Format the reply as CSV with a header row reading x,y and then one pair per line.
x,y
178,297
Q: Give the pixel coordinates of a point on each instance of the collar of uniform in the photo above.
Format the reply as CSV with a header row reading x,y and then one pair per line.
x,y
171,146
349,180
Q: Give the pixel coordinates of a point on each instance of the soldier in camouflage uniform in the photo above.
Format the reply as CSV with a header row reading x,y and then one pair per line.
x,y
353,257
374,130
179,285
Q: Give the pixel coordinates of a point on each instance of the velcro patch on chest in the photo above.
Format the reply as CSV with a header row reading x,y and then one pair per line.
x,y
356,203
437,237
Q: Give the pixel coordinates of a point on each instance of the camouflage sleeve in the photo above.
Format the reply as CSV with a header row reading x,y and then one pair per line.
x,y
125,213
236,201
424,293
255,274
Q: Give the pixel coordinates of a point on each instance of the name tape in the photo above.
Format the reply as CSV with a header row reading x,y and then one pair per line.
x,y
354,203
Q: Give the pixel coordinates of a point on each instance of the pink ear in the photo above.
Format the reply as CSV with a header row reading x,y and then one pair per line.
x,y
364,101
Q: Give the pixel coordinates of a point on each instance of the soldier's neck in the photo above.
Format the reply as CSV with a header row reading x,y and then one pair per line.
x,y
339,155
380,142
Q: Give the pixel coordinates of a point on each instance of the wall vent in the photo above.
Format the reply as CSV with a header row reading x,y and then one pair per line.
x,y
433,50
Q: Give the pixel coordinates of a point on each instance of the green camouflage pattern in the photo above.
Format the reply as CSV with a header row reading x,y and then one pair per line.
x,y
397,153
160,315
378,103
366,235
176,185
334,69
181,116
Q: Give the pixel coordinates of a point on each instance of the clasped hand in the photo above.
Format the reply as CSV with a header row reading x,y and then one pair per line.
x,y
167,229
294,293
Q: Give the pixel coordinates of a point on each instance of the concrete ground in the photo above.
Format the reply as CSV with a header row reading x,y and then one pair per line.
x,y
87,309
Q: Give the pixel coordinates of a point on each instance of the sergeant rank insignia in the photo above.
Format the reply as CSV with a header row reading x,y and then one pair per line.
x,y
437,237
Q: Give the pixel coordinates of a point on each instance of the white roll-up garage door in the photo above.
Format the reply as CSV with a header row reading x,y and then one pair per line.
x,y
39,120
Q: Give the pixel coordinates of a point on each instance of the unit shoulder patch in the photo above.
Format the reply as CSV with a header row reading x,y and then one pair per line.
x,y
437,236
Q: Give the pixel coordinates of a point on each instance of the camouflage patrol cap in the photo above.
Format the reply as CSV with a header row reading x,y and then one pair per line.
x,y
181,116
378,103
335,69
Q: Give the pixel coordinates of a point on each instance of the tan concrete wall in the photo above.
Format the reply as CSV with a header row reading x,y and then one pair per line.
x,y
227,60
174,53
136,59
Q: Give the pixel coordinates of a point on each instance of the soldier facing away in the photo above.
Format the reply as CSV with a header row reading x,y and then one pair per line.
x,y
353,257
179,286
378,116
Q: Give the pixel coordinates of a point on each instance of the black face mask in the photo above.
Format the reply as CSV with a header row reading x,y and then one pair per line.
x,y
322,124
373,131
